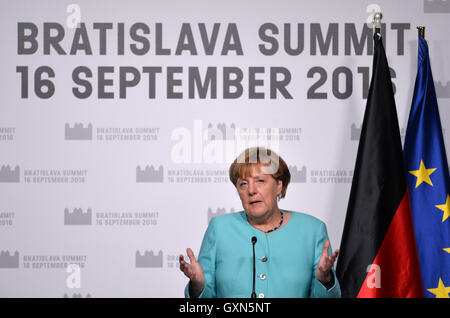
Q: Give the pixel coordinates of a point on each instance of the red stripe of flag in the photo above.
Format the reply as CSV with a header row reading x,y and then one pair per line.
x,y
396,276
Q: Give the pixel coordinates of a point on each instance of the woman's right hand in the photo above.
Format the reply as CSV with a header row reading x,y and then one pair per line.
x,y
194,272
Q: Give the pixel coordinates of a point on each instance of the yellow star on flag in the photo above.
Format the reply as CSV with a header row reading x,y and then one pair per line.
x,y
423,174
447,249
441,291
446,208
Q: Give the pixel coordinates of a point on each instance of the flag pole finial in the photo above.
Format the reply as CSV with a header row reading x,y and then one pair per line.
x,y
377,16
421,30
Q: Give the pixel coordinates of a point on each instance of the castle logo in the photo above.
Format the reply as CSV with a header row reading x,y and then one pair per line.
x,y
219,211
9,175
77,295
355,132
441,90
150,174
77,217
149,260
221,132
9,261
78,132
436,6
298,176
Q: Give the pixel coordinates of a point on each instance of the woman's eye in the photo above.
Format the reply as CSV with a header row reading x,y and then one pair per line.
x,y
260,180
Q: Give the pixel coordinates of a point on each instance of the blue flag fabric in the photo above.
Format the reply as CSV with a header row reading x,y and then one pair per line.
x,y
428,181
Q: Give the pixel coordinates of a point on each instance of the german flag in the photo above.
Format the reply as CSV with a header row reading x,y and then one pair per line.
x,y
378,256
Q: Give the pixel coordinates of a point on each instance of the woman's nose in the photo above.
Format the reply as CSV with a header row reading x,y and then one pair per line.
x,y
251,188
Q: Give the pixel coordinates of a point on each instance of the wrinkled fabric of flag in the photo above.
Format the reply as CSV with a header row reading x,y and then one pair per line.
x,y
428,181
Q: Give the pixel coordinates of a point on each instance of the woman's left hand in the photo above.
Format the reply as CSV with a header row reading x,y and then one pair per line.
x,y
323,272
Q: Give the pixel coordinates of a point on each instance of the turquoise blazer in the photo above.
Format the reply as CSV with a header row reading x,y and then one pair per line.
x,y
286,259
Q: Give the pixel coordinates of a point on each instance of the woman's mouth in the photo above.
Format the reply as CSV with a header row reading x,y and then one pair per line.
x,y
255,202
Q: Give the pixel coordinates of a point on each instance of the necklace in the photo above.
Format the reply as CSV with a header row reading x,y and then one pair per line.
x,y
278,226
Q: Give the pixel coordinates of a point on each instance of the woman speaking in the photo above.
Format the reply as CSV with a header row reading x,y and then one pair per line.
x,y
263,251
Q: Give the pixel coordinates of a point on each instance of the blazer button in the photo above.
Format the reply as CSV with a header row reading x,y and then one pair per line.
x,y
262,276
264,259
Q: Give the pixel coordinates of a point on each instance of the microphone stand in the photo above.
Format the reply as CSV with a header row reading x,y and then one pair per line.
x,y
254,240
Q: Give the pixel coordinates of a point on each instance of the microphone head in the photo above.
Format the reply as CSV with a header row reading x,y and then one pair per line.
x,y
254,239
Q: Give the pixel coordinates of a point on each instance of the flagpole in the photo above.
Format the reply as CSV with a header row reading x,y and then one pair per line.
x,y
377,16
421,30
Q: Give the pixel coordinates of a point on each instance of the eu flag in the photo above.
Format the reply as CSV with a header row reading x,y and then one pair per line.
x,y
428,181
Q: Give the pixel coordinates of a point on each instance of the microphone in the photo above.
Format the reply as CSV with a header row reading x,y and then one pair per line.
x,y
254,240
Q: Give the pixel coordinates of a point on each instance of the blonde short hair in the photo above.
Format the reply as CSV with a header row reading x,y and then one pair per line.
x,y
269,162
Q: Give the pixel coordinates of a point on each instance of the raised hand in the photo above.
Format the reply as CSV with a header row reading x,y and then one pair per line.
x,y
194,272
323,272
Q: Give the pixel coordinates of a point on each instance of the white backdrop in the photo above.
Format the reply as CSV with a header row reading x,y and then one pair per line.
x,y
119,182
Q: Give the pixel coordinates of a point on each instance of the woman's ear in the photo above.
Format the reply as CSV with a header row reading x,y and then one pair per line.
x,y
279,187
